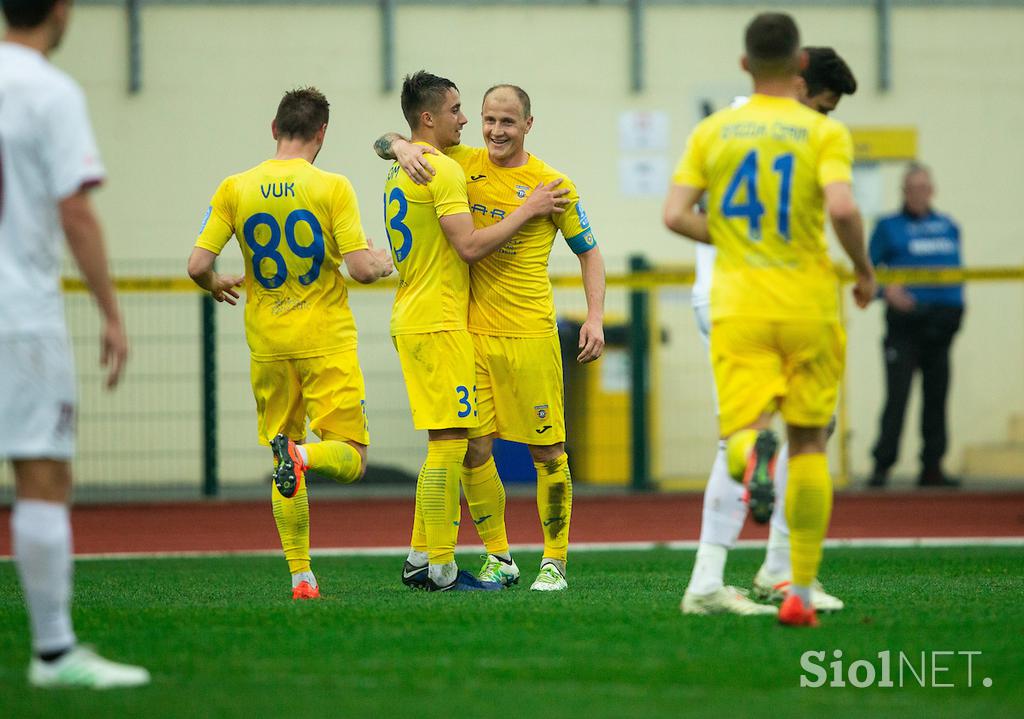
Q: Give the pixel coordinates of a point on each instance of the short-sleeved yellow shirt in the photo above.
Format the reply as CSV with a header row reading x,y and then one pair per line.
x,y
294,223
764,166
433,290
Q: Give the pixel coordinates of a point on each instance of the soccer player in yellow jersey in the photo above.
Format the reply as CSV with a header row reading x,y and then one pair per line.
x,y
771,169
432,238
824,80
512,320
295,225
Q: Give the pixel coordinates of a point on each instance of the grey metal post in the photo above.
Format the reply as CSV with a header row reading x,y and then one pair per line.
x,y
387,45
134,46
883,21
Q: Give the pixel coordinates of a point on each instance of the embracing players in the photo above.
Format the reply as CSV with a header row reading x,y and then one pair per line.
x,y
512,323
433,237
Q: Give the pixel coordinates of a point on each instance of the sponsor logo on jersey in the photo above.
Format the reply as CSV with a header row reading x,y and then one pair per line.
x,y
476,178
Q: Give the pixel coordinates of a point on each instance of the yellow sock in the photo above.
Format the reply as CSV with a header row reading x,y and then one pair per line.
x,y
808,509
485,495
338,460
554,504
437,494
292,519
419,531
737,449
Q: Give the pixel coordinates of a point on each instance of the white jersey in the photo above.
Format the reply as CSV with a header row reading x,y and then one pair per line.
x,y
700,295
47,153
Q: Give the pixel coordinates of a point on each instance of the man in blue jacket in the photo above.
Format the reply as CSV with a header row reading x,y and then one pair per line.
x,y
920,324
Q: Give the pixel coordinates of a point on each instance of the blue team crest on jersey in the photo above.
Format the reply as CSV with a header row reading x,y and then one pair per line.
x,y
521,191
584,222
206,218
541,410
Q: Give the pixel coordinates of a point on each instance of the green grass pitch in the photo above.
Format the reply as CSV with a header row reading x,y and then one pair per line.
x,y
223,639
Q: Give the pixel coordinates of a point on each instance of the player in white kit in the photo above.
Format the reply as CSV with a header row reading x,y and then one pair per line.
x,y
48,162
826,79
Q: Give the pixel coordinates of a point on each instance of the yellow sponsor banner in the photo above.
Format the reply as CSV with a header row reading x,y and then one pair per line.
x,y
641,280
875,144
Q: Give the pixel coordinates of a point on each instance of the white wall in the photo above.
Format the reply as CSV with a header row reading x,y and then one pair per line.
x,y
213,76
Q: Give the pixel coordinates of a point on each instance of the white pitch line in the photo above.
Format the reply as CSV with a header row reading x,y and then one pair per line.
x,y
686,545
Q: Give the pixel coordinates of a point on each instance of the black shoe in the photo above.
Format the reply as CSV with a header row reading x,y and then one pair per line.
x,y
414,577
936,478
878,479
760,476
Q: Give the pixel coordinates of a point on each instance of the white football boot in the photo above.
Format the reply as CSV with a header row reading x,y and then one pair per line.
x,y
82,667
725,600
775,588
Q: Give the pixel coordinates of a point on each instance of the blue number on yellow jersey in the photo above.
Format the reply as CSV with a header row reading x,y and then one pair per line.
x,y
433,290
764,166
294,223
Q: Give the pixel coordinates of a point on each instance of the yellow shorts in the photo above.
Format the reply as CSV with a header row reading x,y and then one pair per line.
x,y
519,389
440,378
760,362
328,389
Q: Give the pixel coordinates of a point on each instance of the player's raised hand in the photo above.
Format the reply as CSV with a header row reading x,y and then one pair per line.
x,y
864,289
591,341
547,198
411,158
113,351
223,289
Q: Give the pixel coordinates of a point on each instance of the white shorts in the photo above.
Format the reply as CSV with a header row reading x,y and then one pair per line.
x,y
703,315
37,397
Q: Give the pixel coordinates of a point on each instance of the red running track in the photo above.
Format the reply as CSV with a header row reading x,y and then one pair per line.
x,y
230,525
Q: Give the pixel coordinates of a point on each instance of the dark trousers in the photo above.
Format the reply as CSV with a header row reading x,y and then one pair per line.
x,y
917,340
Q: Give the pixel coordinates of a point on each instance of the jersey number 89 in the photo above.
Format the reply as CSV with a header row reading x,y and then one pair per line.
x,y
269,251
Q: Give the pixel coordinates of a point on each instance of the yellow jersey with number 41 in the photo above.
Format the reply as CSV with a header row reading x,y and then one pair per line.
x,y
510,291
293,223
433,287
764,166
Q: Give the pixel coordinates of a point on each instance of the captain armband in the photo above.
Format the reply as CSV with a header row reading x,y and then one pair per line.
x,y
583,242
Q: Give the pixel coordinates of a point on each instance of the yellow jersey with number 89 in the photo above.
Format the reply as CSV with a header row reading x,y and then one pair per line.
x,y
433,287
764,166
294,223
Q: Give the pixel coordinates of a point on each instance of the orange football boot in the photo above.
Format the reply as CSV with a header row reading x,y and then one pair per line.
x,y
305,590
289,469
793,613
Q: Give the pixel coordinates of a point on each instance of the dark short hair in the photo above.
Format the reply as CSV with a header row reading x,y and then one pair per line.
x,y
827,71
27,14
771,42
423,92
524,99
302,113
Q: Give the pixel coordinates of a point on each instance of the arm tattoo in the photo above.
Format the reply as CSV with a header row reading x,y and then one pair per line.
x,y
382,145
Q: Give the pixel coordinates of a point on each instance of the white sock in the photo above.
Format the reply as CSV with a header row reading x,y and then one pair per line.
x,y
303,453
300,577
776,559
708,569
417,559
506,557
41,540
803,592
443,574
724,510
